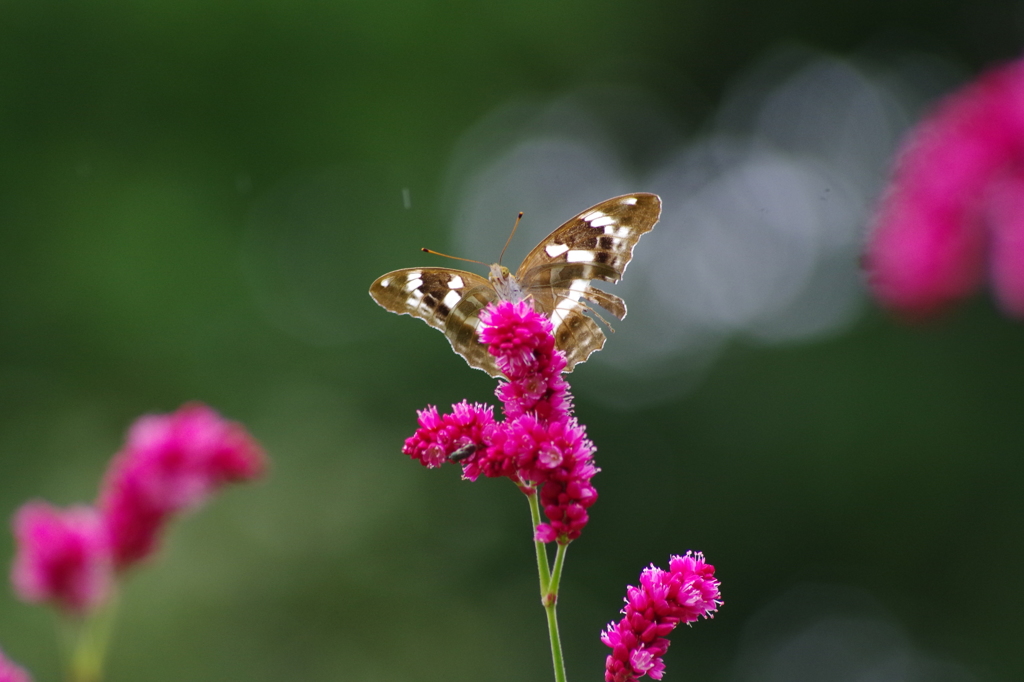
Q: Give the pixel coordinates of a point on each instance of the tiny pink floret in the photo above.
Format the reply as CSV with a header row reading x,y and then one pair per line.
x,y
682,594
9,672
63,557
168,464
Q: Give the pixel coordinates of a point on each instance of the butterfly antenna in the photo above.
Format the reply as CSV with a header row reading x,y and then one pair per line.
x,y
509,240
445,255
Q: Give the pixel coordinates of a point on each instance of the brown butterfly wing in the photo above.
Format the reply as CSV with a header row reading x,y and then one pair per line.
x,y
596,244
446,299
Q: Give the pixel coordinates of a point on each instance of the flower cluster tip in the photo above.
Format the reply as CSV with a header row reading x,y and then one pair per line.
x,y
688,590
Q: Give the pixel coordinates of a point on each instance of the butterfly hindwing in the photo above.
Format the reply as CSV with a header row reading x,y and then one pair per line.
x,y
577,335
461,328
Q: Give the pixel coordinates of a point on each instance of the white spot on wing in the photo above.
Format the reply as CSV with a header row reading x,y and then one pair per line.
x,y
451,299
414,284
629,200
602,221
455,283
592,216
554,250
385,282
570,301
579,256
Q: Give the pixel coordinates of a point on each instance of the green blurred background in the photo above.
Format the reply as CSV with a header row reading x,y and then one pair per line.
x,y
195,197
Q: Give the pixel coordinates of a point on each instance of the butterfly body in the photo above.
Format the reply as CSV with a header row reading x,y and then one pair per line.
x,y
595,244
505,284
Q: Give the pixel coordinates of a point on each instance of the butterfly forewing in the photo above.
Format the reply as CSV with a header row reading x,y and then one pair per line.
x,y
596,244
600,239
446,299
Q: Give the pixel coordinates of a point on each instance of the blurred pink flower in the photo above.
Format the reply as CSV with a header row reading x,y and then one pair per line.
x,y
9,672
63,557
171,463
682,594
540,445
956,203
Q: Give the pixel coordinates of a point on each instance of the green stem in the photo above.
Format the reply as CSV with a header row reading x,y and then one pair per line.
x,y
84,643
542,556
556,575
549,589
550,602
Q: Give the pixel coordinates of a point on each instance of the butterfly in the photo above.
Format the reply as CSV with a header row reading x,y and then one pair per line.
x,y
596,244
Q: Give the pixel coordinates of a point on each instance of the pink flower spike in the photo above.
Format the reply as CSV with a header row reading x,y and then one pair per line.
x,y
952,207
9,672
682,594
171,463
63,557
539,446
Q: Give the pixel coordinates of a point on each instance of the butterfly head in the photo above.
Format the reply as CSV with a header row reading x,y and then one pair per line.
x,y
505,283
499,273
